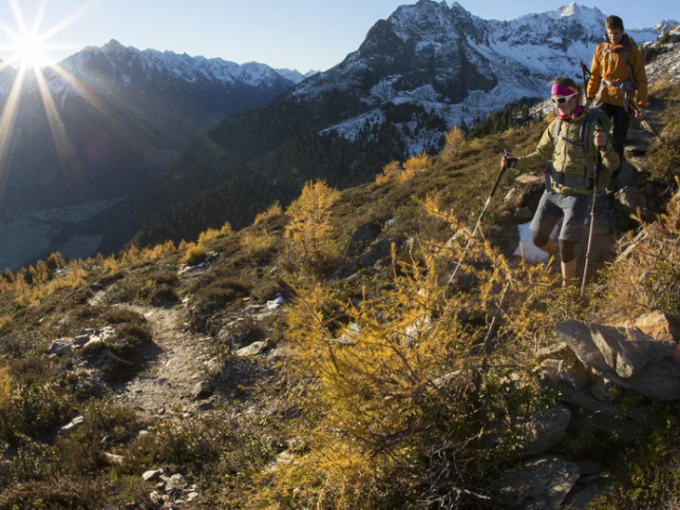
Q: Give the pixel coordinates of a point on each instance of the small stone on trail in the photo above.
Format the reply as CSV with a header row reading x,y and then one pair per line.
x,y
152,476
203,389
256,348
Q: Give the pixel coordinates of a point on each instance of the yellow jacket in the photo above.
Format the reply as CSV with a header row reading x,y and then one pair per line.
x,y
612,67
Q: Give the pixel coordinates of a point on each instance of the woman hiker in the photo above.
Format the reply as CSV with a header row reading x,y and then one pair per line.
x,y
570,142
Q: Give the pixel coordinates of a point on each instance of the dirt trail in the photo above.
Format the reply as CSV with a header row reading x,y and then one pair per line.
x,y
179,362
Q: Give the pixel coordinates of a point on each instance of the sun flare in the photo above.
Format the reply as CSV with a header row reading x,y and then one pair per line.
x,y
31,51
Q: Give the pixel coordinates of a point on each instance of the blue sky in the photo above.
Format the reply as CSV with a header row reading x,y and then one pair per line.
x,y
297,34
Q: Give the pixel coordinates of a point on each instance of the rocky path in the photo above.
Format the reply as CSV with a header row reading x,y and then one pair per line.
x,y
178,363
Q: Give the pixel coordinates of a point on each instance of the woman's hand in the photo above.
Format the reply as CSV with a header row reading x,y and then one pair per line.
x,y
600,138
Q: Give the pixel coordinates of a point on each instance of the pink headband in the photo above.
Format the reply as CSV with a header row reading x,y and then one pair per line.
x,y
562,90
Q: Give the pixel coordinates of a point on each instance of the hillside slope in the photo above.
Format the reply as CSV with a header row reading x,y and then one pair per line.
x,y
318,357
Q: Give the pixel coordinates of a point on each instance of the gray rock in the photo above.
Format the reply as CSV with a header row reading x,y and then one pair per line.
x,y
544,430
620,430
535,433
73,426
625,357
605,390
539,484
152,475
203,389
588,467
554,371
81,339
255,348
581,499
579,399
556,351
61,346
630,359
174,483
578,337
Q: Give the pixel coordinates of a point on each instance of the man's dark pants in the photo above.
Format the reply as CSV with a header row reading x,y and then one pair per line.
x,y
621,122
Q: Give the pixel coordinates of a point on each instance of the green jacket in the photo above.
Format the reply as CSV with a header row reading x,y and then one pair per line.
x,y
569,161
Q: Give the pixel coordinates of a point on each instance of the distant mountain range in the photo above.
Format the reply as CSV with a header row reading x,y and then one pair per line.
x,y
193,142
427,67
125,116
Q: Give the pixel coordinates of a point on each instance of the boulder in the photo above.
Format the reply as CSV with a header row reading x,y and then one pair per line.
x,y
61,346
544,430
605,390
626,356
556,351
620,430
535,433
660,325
538,484
580,399
554,371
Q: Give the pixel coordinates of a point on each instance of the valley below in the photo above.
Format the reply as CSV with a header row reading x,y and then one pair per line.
x,y
28,237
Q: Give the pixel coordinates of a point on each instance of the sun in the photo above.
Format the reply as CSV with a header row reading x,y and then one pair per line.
x,y
31,51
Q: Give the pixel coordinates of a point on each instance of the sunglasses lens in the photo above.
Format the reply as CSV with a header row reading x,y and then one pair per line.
x,y
560,100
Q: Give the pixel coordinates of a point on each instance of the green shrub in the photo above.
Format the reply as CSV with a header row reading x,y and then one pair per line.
x,y
34,411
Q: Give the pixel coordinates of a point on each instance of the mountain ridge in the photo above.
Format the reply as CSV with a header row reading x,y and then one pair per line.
x,y
425,68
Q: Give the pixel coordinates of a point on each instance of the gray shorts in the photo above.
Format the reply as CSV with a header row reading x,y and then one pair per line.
x,y
555,206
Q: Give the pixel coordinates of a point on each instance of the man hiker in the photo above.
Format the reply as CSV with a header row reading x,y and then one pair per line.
x,y
617,72
570,142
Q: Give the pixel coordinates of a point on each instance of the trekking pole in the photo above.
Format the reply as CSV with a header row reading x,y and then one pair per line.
x,y
479,221
598,167
586,79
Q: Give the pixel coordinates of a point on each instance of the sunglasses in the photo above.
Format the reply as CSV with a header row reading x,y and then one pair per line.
x,y
562,99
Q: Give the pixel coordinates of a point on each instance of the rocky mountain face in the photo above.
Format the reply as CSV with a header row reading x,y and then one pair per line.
x,y
107,120
427,67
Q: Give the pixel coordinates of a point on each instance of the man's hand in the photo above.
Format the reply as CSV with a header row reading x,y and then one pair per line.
x,y
641,113
508,160
600,137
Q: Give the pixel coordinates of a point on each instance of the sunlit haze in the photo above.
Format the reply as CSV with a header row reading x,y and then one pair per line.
x,y
298,34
